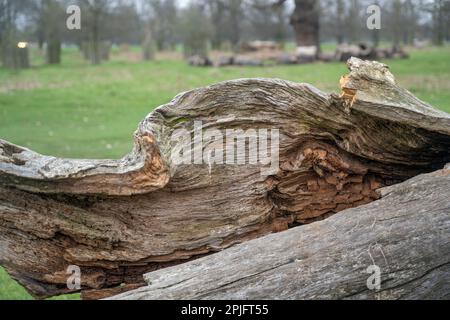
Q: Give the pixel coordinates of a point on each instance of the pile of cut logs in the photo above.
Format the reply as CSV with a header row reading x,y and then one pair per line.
x,y
260,53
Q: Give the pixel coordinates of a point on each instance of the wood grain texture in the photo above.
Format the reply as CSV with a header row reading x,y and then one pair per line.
x,y
118,219
406,234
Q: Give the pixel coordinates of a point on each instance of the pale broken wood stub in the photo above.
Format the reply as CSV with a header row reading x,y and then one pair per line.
x,y
142,171
405,234
118,219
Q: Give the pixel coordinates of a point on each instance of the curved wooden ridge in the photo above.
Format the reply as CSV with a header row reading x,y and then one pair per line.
x,y
118,219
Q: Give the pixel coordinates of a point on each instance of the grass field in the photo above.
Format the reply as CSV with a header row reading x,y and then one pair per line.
x,y
83,111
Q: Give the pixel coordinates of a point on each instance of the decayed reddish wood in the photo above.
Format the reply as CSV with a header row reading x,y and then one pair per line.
x,y
120,219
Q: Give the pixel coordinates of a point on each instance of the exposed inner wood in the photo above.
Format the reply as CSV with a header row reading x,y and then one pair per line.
x,y
320,180
404,235
118,219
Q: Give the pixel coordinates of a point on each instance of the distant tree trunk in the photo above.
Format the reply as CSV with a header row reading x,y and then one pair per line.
x,y
54,51
7,47
411,27
353,23
52,31
235,11
105,50
446,21
195,32
41,40
23,58
376,32
305,21
148,46
280,35
218,13
376,38
95,10
160,43
95,45
396,27
6,32
340,10
12,57
438,22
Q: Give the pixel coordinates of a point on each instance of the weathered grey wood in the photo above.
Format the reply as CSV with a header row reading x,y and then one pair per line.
x,y
142,171
406,234
118,219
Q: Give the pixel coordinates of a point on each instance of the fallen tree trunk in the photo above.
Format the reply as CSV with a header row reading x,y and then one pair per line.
x,y
118,219
405,235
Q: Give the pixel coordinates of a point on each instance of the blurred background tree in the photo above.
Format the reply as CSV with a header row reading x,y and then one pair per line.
x,y
52,17
13,55
165,14
94,20
195,31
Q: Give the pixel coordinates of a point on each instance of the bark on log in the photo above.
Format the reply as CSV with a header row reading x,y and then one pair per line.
x,y
118,219
405,234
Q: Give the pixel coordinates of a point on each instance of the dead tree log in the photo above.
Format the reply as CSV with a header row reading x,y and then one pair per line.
x,y
118,219
405,235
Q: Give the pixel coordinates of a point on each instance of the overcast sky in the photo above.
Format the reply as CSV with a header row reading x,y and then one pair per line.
x,y
183,3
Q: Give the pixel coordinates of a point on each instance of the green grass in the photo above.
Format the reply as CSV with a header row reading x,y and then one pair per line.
x,y
78,110
11,290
